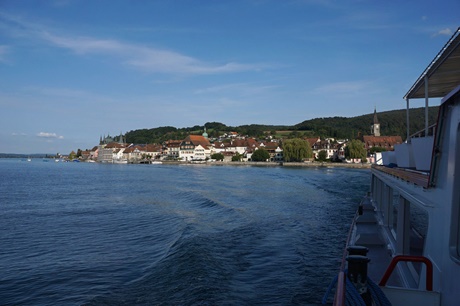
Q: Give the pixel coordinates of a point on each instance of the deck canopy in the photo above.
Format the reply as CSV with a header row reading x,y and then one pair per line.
x,y
443,73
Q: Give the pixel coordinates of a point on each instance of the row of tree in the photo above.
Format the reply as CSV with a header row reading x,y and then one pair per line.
x,y
297,150
258,156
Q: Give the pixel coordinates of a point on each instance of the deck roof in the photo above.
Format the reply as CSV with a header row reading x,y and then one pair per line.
x,y
443,72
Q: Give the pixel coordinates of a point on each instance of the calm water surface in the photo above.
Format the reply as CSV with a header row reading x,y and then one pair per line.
x,y
92,234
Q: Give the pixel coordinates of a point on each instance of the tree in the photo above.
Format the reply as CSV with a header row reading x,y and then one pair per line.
x,y
72,155
260,155
355,149
237,157
296,150
322,155
217,156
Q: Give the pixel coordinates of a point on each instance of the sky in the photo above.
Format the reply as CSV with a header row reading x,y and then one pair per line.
x,y
72,71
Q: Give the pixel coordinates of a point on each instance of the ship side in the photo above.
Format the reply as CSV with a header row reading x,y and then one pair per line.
x,y
404,243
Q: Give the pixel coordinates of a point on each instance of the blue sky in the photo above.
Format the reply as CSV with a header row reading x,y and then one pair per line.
x,y
73,70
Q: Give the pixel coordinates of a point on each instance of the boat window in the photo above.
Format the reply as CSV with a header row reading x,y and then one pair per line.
x,y
387,206
419,229
394,216
418,220
456,195
458,225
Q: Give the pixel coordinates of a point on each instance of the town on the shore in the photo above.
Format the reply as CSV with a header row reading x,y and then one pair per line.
x,y
239,148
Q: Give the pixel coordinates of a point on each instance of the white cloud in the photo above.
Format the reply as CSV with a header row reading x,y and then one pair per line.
x,y
49,135
446,32
146,58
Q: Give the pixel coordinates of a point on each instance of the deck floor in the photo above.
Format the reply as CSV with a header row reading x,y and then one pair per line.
x,y
416,177
368,234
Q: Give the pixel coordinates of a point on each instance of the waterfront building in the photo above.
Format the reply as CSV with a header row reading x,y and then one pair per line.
x,y
171,148
195,147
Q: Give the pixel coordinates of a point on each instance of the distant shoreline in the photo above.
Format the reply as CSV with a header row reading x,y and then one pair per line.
x,y
276,164
314,164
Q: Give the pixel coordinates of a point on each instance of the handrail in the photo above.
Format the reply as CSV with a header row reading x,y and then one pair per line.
x,y
422,133
398,258
339,298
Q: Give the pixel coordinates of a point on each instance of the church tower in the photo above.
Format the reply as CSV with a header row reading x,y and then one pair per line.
x,y
375,128
205,135
121,140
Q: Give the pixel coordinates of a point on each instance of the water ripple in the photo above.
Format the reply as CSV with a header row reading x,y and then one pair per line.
x,y
74,234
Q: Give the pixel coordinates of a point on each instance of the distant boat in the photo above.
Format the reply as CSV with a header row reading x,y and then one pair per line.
x,y
120,161
156,162
29,159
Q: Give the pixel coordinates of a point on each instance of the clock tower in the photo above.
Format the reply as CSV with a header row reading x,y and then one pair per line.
x,y
375,128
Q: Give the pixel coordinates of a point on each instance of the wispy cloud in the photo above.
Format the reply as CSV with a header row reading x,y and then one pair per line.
x,y
342,88
444,32
3,52
18,134
63,92
145,58
49,135
241,88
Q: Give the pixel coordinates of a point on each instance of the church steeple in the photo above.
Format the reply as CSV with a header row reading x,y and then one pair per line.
x,y
375,128
121,140
205,135
376,120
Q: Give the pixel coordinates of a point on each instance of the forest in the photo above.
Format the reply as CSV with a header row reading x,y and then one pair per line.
x,y
392,123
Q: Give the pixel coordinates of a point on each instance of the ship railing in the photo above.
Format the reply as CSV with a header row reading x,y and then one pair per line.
x,y
410,258
339,298
402,296
423,133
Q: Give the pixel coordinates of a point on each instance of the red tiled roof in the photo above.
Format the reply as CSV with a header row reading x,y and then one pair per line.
x,y
387,142
172,143
115,145
152,148
271,145
198,140
312,141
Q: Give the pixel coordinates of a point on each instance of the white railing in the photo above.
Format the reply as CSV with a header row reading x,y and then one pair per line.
x,y
431,132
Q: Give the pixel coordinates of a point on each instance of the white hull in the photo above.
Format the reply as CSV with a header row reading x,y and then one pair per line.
x,y
409,224
120,161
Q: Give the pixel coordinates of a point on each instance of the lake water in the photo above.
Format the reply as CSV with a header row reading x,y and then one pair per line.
x,y
103,234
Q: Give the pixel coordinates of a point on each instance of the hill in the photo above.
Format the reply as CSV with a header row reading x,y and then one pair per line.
x,y
392,123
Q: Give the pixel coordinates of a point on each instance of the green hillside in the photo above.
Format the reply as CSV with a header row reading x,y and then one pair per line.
x,y
392,123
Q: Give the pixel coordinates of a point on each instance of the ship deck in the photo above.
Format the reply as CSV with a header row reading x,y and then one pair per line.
x,y
368,233
416,177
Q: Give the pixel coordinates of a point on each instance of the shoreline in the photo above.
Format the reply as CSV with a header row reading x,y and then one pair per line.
x,y
313,164
275,164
